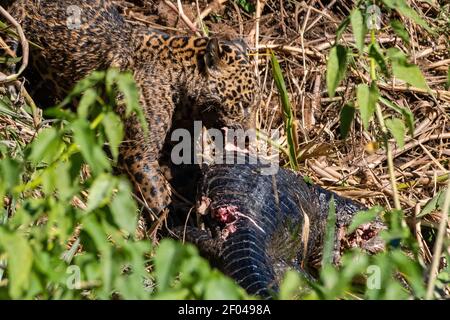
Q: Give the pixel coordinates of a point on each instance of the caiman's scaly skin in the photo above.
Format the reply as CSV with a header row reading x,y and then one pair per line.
x,y
261,225
213,78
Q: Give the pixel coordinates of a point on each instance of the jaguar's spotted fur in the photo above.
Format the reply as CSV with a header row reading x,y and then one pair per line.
x,y
213,78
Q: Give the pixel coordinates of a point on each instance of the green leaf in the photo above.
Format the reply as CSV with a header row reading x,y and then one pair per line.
x,y
359,28
58,113
246,5
87,100
397,230
124,209
110,80
63,182
10,172
397,129
328,246
96,231
367,98
127,85
340,30
436,203
336,68
45,146
131,288
221,288
288,114
181,294
411,270
194,272
400,30
331,282
114,132
48,181
377,55
6,106
90,149
407,114
20,261
405,71
405,10
166,263
100,192
290,285
346,117
362,217
90,81
10,60
355,263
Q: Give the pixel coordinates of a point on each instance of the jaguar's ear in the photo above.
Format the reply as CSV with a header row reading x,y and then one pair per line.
x,y
241,44
213,53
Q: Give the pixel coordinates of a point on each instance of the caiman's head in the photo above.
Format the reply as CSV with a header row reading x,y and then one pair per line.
x,y
366,237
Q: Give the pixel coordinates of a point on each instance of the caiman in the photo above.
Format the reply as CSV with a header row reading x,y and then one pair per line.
x,y
259,225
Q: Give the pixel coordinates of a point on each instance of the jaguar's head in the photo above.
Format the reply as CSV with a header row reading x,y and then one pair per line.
x,y
230,92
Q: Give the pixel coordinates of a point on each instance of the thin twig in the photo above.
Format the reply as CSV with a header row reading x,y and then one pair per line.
x,y
24,44
208,10
438,245
34,109
183,17
258,17
291,49
375,162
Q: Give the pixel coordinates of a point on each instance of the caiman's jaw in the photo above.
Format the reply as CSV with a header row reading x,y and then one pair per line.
x,y
225,216
366,237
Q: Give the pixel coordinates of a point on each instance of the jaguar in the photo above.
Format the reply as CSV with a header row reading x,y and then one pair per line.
x,y
212,79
